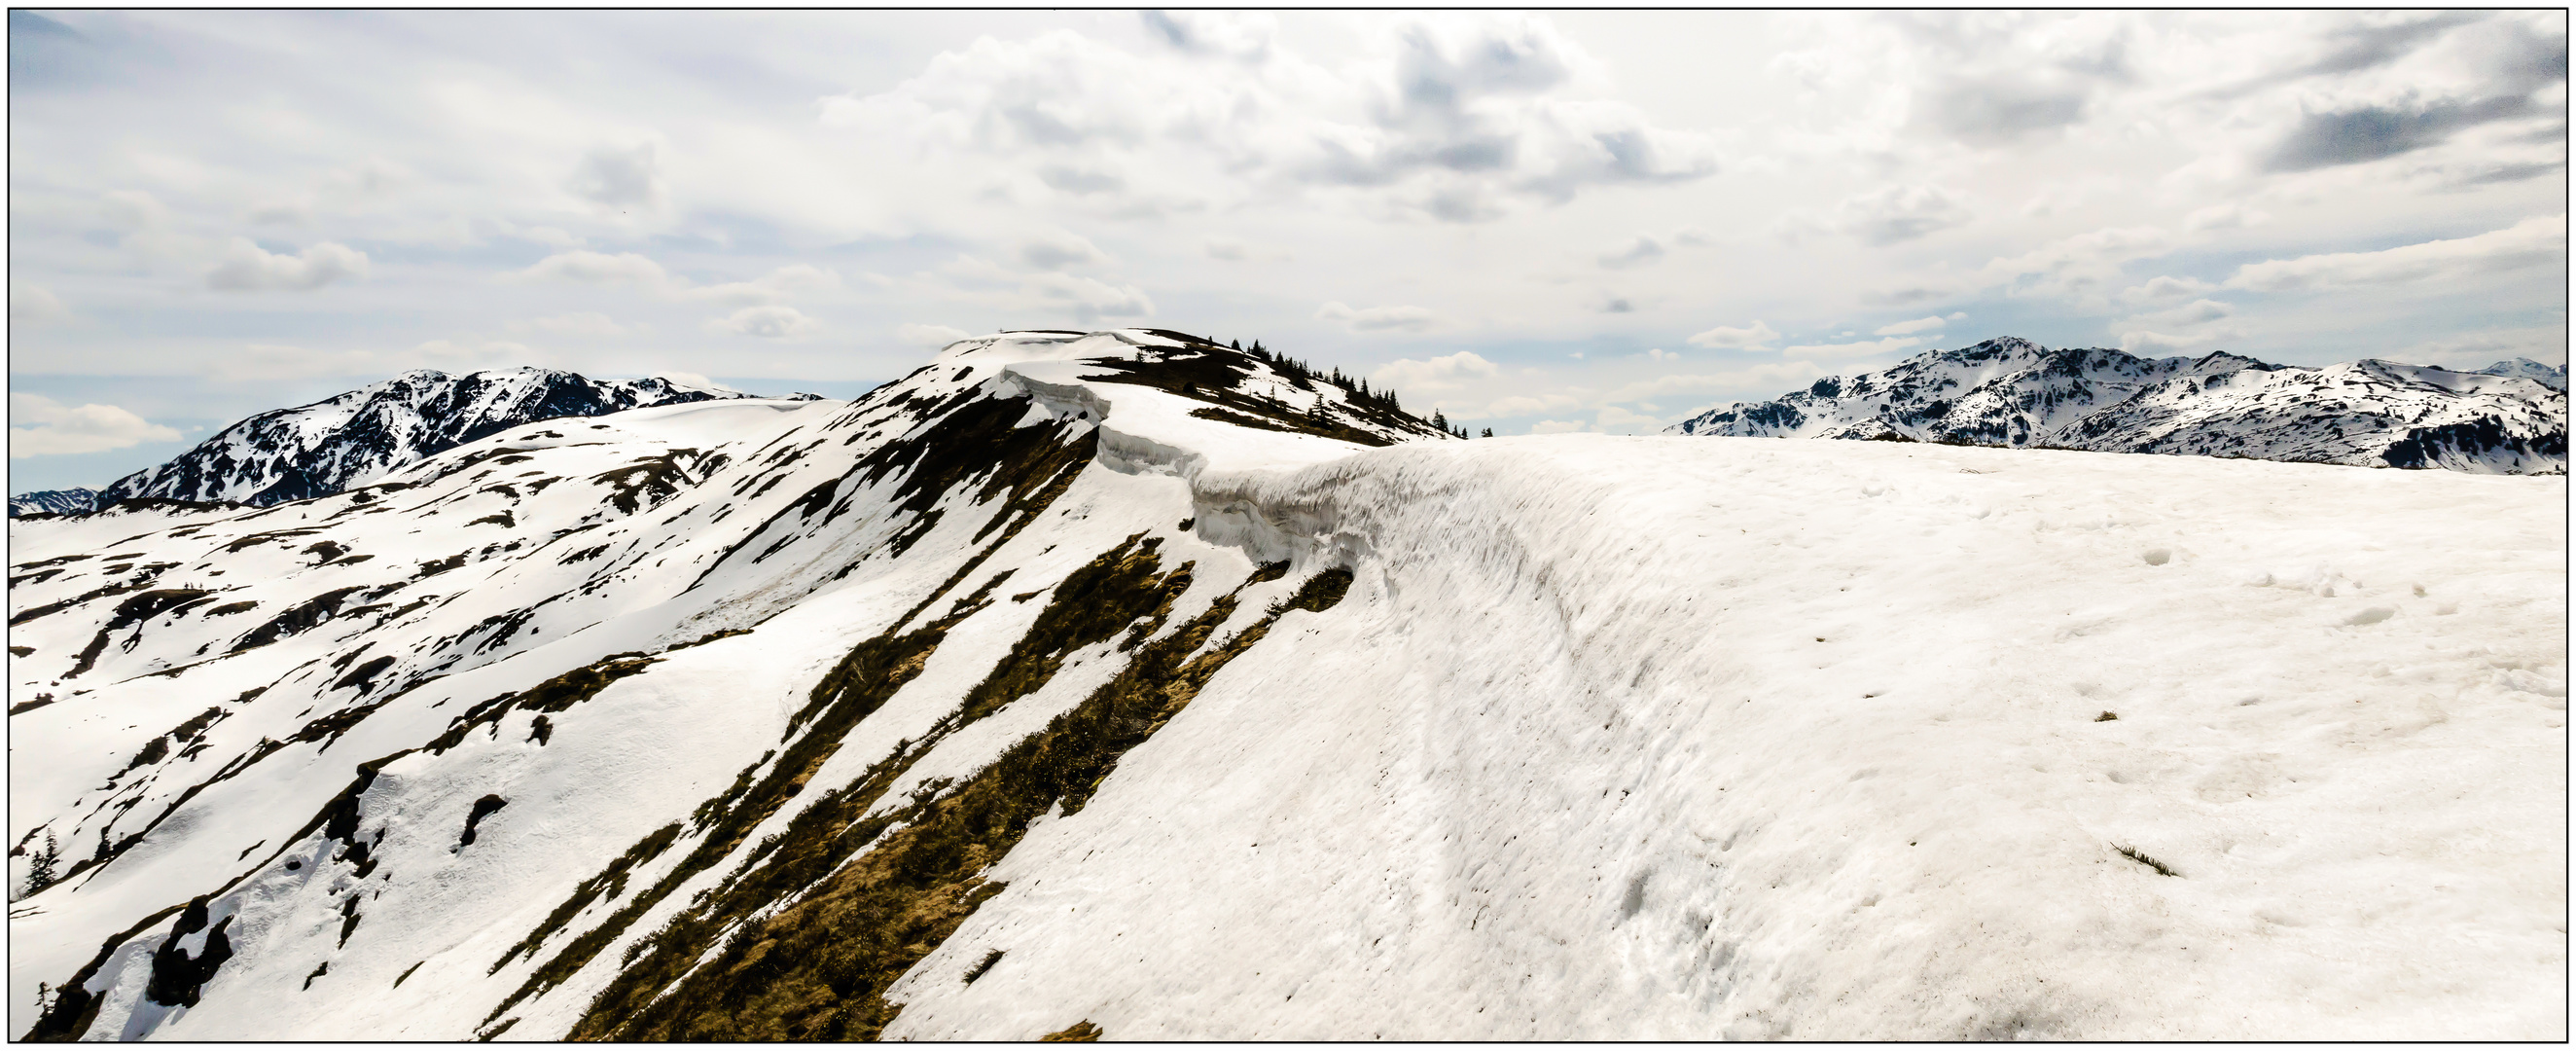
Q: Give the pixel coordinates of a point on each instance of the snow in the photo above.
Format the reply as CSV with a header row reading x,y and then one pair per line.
x,y
2506,419
1612,738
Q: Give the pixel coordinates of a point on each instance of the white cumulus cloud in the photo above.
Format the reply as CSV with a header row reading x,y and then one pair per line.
x,y
1447,372
2532,242
41,426
1724,338
1378,319
598,268
246,266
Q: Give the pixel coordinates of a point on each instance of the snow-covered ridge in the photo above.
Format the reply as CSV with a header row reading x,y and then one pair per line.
x,y
2510,418
1141,703
359,437
73,501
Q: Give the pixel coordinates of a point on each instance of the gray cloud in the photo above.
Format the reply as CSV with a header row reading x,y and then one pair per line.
x,y
619,178
1645,249
1899,213
2369,47
2324,140
1076,180
2503,173
1999,111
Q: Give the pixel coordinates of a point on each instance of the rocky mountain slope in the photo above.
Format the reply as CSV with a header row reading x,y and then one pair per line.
x,y
358,437
74,501
1120,684
2012,392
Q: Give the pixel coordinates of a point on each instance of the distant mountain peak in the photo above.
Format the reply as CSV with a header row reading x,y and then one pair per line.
x,y
2014,392
363,435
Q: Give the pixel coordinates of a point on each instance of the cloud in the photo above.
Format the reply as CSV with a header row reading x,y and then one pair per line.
x,y
1556,427
2196,312
1085,299
1999,111
2359,136
2470,350
580,324
1614,418
1451,118
2078,267
2149,343
1379,319
767,322
616,178
245,266
599,268
1644,250
2537,241
1090,300
1231,251
1761,379
1891,345
1921,324
1447,372
929,337
1525,405
51,428
132,210
1060,251
1897,214
33,305
775,287
2163,289
2224,217
1239,36
1724,338
1079,181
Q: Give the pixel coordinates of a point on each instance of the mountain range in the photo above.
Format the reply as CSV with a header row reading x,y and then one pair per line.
x,y
355,438
1121,685
2510,418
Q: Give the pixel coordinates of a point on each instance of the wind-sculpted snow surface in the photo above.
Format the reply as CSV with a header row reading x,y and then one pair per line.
x,y
2510,418
1032,694
358,437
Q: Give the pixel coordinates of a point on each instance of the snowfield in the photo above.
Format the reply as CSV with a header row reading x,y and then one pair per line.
x,y
1116,679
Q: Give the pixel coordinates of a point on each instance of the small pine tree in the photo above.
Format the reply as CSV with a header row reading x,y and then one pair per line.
x,y
1237,344
1489,432
40,869
1439,419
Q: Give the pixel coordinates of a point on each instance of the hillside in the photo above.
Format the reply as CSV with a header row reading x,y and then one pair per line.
x,y
2510,418
1119,682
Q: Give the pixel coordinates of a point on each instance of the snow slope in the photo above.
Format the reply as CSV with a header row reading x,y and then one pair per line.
x,y
2014,392
355,438
1088,679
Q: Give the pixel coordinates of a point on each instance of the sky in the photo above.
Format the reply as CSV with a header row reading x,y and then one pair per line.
x,y
1601,221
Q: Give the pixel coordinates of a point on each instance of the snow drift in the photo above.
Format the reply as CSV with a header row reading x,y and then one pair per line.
x,y
1119,683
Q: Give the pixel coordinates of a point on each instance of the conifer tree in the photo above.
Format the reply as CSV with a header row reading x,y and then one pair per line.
x,y
1489,432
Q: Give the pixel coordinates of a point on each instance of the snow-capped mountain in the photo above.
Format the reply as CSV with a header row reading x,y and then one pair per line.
x,y
2549,375
2013,392
1122,685
355,438
75,501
